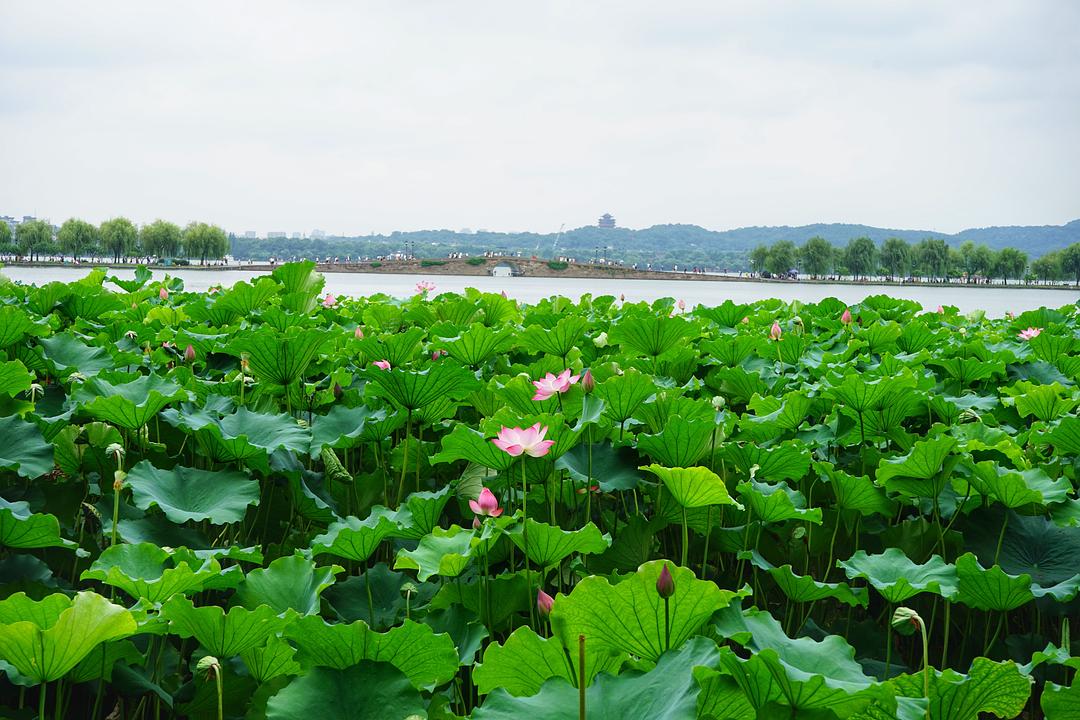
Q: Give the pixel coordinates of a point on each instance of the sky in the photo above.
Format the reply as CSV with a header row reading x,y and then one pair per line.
x,y
360,117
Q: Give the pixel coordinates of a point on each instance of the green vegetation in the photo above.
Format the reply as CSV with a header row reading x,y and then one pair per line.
x,y
557,264
268,502
476,261
432,263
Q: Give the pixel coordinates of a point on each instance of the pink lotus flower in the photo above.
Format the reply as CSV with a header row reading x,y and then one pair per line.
x,y
745,320
163,294
487,505
382,364
681,304
505,296
329,301
552,384
594,489
940,310
189,354
358,333
1029,333
544,603
775,331
424,287
530,440
846,317
435,355
168,345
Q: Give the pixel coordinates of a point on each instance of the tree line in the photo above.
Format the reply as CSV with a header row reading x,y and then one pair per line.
x,y
931,260
118,238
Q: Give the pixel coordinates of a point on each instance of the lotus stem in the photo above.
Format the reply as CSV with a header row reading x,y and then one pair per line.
x,y
41,701
685,538
708,534
404,458
1001,536
525,538
581,676
667,625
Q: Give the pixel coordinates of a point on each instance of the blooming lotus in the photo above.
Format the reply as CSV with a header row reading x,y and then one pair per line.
x,y
329,301
530,441
382,364
1029,333
424,287
486,505
846,317
544,603
775,332
163,294
552,384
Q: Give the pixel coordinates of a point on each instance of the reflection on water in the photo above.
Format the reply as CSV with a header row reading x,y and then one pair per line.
x,y
996,301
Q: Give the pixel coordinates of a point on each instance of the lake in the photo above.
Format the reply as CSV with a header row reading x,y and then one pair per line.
x,y
996,301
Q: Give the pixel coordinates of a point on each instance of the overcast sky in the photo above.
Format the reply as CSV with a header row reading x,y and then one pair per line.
x,y
356,117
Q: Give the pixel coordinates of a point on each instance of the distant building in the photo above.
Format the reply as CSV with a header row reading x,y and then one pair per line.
x,y
250,235
606,221
297,236
318,234
276,235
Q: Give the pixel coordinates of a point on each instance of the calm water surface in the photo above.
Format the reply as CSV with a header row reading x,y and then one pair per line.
x,y
995,301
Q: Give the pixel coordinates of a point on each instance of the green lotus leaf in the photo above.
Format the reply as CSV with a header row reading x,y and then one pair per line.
x,y
989,688
342,427
426,658
20,528
243,297
667,692
623,394
526,661
66,355
250,437
478,344
442,552
45,639
191,494
99,663
355,539
721,698
464,443
799,675
919,473
859,394
855,493
897,578
1018,488
1066,436
289,583
803,588
420,513
651,335
612,468
1061,703
694,487
14,378
279,358
222,634
25,450
682,443
786,417
508,594
301,284
1044,402
366,690
1031,545
629,616
990,588
968,371
776,503
790,460
128,405
549,545
416,389
14,324
559,339
147,572
274,659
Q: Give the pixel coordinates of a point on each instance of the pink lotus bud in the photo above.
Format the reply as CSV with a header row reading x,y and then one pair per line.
x,y
382,364
588,382
681,304
163,294
846,317
358,333
745,320
665,584
775,331
189,354
544,603
435,355
940,310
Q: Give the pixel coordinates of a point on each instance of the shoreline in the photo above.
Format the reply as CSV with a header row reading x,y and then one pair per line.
x,y
533,268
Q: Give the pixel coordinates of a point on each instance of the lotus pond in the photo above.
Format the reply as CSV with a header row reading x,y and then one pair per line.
x,y
264,501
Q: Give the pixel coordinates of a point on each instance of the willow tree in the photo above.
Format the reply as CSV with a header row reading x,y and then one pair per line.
x,y
33,238
119,237
161,238
76,238
205,241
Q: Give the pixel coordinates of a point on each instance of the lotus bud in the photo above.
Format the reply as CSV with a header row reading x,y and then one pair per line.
x,y
775,332
681,304
163,294
588,382
189,354
544,603
846,317
208,667
118,480
338,391
600,340
358,333
382,364
745,320
245,364
116,450
622,297
718,402
940,310
906,621
665,584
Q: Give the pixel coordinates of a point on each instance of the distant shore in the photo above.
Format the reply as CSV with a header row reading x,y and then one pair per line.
x,y
532,268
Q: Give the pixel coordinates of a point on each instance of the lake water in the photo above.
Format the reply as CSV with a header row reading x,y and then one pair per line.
x,y
996,301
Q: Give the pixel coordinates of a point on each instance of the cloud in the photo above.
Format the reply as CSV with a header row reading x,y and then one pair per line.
x,y
356,117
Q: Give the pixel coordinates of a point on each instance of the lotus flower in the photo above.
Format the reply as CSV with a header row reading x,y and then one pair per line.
x,y
382,364
665,584
530,440
424,287
940,310
189,354
745,320
775,331
358,333
435,355
1029,333
681,305
163,294
846,317
487,505
588,382
552,384
329,301
544,603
